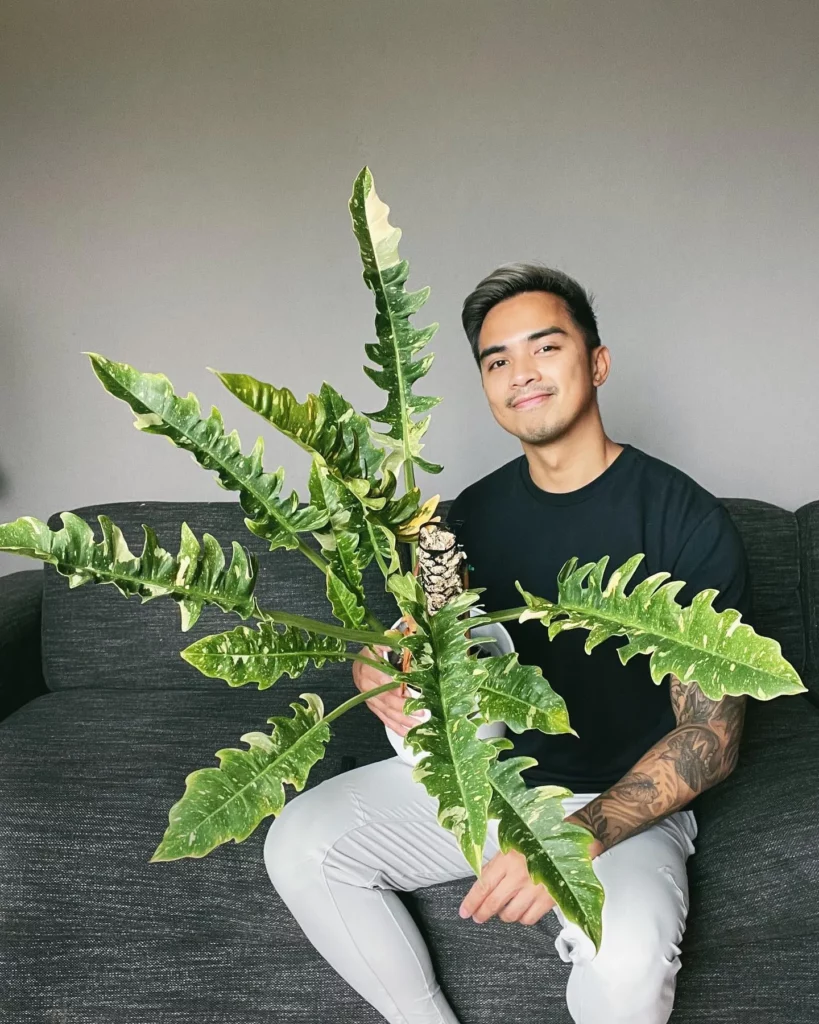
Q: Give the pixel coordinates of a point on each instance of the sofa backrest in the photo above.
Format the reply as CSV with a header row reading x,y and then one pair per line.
x,y
807,519
94,637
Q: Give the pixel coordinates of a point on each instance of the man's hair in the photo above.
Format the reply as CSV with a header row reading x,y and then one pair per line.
x,y
511,279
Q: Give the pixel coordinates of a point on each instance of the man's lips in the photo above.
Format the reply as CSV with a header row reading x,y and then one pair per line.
x,y
531,400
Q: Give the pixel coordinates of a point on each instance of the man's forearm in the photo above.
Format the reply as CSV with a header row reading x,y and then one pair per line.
x,y
698,754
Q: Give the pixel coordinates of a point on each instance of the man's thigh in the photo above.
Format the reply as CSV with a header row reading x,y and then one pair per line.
x,y
645,881
373,826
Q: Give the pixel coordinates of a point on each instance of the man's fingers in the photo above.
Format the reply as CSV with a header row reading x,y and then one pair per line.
x,y
495,901
519,905
541,907
480,890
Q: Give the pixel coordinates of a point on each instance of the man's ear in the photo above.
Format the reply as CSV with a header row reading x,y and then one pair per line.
x,y
600,359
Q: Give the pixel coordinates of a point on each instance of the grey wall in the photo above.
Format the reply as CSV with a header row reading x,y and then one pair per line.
x,y
175,180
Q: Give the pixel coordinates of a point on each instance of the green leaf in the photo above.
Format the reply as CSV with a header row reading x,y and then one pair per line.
x,y
530,820
520,696
262,655
455,770
159,411
326,425
194,578
345,604
698,644
338,437
341,544
398,342
228,802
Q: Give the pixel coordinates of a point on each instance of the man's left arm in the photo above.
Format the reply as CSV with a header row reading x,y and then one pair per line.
x,y
700,752
703,748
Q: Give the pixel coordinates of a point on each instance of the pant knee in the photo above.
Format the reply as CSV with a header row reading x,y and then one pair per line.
x,y
294,841
633,982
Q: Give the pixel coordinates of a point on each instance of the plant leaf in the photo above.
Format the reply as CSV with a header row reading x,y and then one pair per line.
x,y
228,802
697,643
160,411
325,425
455,768
398,342
341,544
262,655
520,696
530,820
345,604
194,578
338,437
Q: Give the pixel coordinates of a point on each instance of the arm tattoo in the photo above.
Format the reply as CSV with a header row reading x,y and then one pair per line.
x,y
700,752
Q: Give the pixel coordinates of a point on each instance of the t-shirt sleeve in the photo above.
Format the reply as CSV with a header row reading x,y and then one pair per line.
x,y
714,557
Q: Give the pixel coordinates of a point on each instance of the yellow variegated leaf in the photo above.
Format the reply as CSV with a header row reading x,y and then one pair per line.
x,y
325,425
262,655
228,802
398,342
530,820
456,764
159,411
195,577
519,696
697,643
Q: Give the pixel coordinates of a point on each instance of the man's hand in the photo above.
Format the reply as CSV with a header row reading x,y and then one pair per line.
x,y
388,706
505,888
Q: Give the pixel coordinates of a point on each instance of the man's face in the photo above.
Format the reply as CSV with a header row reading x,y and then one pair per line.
x,y
530,348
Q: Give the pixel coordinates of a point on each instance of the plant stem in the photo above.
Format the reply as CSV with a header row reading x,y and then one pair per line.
x,y
506,615
362,636
382,666
324,565
409,483
359,699
314,556
375,622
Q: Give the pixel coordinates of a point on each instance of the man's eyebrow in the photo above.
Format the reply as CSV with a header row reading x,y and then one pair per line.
x,y
491,350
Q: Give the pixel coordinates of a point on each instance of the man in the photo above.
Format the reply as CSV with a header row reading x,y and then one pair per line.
x,y
338,852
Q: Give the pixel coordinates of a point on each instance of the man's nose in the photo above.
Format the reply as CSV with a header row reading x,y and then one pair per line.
x,y
524,371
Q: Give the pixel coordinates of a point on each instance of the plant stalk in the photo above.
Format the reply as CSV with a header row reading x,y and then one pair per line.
x,y
362,636
409,484
324,565
506,615
359,699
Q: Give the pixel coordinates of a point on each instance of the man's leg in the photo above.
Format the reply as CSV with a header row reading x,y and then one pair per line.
x,y
335,853
633,977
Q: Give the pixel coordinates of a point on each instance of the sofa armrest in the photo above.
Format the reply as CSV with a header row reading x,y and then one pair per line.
x,y
21,673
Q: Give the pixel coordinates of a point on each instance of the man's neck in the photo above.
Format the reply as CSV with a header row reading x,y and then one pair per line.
x,y
571,463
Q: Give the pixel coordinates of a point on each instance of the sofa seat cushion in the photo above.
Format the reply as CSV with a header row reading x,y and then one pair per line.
x,y
93,932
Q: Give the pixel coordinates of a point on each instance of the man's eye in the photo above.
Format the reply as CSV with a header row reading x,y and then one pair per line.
x,y
496,362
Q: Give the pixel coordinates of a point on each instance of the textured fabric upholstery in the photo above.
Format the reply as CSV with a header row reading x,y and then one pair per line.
x,y
21,677
137,646
93,934
808,520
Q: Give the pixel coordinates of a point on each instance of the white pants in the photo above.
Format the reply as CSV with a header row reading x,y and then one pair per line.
x,y
337,851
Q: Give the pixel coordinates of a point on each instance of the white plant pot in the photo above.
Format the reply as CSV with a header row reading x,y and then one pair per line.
x,y
503,645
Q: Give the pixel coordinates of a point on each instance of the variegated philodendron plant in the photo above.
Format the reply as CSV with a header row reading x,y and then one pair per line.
x,y
357,517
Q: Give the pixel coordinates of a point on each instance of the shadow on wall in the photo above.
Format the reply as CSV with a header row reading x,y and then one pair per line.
x,y
4,480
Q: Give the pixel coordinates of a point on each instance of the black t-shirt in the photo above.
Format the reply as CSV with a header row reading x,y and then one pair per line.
x,y
512,530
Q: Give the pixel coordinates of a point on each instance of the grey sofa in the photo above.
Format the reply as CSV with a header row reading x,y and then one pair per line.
x,y
102,721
